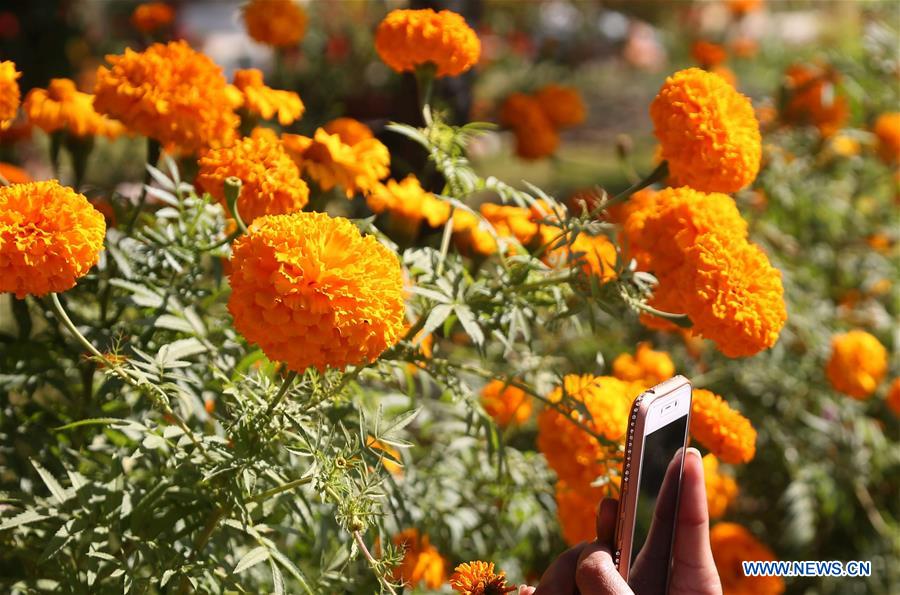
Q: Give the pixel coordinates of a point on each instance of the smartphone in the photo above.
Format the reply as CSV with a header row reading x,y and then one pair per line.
x,y
651,483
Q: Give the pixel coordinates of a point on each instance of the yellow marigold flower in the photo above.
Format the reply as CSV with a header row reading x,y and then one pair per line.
x,y
844,146
535,134
708,131
63,107
265,102
727,75
150,16
265,133
893,397
278,23
14,174
9,93
506,404
510,221
720,429
813,99
563,106
471,235
391,457
351,131
310,290
721,489
576,511
422,563
646,366
168,92
49,237
409,201
708,54
407,39
887,129
331,162
594,254
271,181
479,578
858,363
732,544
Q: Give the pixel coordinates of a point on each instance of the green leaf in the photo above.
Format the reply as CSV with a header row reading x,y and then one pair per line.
x,y
277,578
467,319
436,318
105,421
59,493
251,558
23,518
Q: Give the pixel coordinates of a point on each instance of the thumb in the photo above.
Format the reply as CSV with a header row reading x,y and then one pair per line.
x,y
596,572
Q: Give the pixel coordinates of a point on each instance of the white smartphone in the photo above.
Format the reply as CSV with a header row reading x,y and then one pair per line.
x,y
651,483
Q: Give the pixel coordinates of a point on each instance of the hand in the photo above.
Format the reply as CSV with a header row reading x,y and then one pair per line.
x,y
589,569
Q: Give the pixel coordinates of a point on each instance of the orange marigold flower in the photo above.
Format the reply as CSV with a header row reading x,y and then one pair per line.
x,y
63,107
727,75
265,102
721,489
646,366
390,458
732,544
271,181
14,174
168,92
510,221
887,129
9,93
576,511
471,234
331,162
722,430
708,54
407,39
741,7
351,131
708,131
505,403
479,578
563,106
594,254
844,146
744,47
813,99
535,134
858,363
409,201
278,23
150,16
310,290
893,397
422,563
49,237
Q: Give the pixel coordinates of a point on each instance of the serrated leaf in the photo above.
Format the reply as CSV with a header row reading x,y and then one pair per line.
x,y
173,323
251,558
161,178
142,296
277,578
436,318
470,325
23,518
59,493
177,350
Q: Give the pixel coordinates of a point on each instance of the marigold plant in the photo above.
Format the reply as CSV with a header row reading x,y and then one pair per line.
x,y
887,130
858,363
409,202
422,562
505,403
279,23
265,102
408,39
63,107
725,432
479,578
721,489
812,98
152,16
563,105
647,366
733,544
9,93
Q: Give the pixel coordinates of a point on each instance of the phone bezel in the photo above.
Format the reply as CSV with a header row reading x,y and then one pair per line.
x,y
650,401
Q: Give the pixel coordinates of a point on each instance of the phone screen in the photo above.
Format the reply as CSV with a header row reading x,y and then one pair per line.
x,y
657,499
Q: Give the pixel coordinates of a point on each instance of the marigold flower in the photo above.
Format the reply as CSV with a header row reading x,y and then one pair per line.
x,y
535,135
708,131
14,174
407,39
310,290
858,363
813,99
744,47
331,162
727,75
893,397
594,254
479,578
722,430
63,107
49,237
844,146
266,102
9,93
576,511
422,563
168,92
409,201
732,544
708,54
391,457
741,7
506,404
150,16
271,181
511,221
470,234
721,489
887,129
646,366
562,105
351,131
278,23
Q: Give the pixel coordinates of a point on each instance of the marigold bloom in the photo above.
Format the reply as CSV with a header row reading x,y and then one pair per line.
x,y
422,563
720,429
470,234
63,107
563,106
351,131
409,201
887,129
150,16
721,489
278,23
331,162
14,174
310,290
505,403
707,130
168,92
49,237
266,102
741,7
858,363
511,221
479,578
893,397
9,93
708,54
594,254
407,39
271,181
535,135
732,544
646,366
813,99
576,511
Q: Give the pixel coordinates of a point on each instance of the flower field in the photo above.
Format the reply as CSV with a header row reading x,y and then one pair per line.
x,y
355,297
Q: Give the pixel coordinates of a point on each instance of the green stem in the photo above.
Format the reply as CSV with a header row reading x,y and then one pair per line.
x,y
658,174
153,152
232,193
357,536
445,241
285,385
279,489
425,75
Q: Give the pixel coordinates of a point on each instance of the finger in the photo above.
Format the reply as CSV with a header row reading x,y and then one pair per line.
x,y
655,551
607,515
692,540
525,590
597,574
559,578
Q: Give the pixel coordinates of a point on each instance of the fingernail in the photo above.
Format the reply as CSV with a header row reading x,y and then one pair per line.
x,y
693,451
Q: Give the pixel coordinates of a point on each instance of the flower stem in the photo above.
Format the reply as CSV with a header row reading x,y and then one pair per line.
x,y
373,562
285,385
232,193
445,241
425,85
153,151
660,173
279,489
